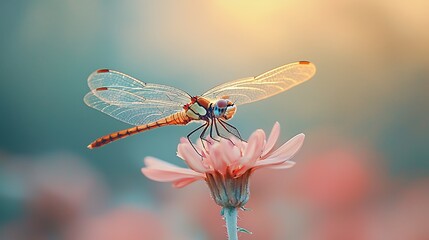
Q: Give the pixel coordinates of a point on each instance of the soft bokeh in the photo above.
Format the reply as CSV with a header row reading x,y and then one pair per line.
x,y
363,172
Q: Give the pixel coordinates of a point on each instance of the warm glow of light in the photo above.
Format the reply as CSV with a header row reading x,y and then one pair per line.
x,y
252,10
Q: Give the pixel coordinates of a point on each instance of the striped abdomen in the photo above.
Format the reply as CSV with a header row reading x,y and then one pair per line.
x,y
179,118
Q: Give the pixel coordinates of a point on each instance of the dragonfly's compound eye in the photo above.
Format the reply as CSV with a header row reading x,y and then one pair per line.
x,y
222,103
220,107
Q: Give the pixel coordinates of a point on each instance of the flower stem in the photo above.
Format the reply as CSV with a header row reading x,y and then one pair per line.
x,y
230,215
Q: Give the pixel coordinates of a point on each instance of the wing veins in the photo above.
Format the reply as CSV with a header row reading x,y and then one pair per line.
x,y
246,90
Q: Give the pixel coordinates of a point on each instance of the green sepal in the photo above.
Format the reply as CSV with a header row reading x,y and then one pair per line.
x,y
243,230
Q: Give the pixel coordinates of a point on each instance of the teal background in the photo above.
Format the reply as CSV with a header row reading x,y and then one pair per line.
x,y
370,90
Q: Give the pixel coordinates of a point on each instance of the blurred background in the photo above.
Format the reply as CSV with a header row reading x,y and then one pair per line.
x,y
363,172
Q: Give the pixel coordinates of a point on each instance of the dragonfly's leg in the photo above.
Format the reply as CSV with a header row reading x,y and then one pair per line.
x,y
193,131
211,130
202,135
218,133
236,133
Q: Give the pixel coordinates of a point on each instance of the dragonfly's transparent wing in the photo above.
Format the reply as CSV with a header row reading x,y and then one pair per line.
x,y
253,89
130,100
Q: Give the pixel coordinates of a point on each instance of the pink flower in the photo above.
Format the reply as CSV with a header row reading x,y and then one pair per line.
x,y
225,165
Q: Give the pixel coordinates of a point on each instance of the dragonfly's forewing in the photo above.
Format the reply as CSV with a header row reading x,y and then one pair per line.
x,y
130,100
270,83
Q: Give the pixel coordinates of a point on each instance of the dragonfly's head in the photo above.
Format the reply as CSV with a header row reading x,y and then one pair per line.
x,y
224,108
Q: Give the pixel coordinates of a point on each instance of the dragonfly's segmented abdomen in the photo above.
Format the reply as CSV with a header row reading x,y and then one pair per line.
x,y
179,118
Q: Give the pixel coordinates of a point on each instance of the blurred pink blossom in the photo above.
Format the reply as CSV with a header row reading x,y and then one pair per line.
x,y
342,176
122,223
60,190
407,214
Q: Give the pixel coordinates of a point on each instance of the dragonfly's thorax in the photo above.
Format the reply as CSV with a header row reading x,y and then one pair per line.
x,y
198,108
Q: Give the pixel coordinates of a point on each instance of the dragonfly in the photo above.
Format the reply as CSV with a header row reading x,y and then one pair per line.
x,y
148,106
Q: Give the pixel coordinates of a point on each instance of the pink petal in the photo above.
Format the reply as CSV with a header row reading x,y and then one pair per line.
x,y
272,139
253,150
204,146
183,182
191,157
168,176
186,141
161,171
287,164
283,153
231,153
152,162
292,146
207,163
178,152
237,142
217,157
